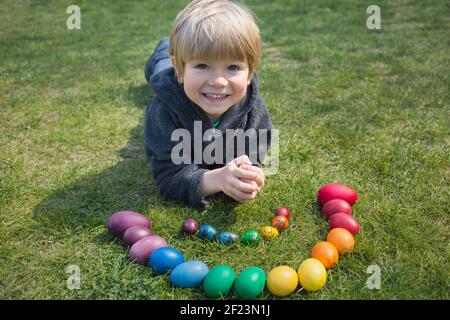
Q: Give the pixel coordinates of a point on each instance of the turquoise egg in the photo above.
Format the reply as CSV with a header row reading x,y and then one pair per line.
x,y
207,232
165,259
219,281
189,274
228,237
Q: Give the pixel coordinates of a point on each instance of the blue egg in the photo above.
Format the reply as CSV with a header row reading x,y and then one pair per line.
x,y
228,237
164,259
189,274
207,232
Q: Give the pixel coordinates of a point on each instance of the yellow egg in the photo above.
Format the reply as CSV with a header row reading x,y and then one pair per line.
x,y
282,281
268,232
312,274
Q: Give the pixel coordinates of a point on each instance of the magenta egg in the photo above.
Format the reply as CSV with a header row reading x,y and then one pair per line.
x,y
190,226
344,220
335,206
283,212
134,234
122,220
141,250
336,191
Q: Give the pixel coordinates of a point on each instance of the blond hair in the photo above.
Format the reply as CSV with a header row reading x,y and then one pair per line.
x,y
215,29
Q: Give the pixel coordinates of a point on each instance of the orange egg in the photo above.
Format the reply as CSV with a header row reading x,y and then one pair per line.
x,y
342,239
326,253
280,223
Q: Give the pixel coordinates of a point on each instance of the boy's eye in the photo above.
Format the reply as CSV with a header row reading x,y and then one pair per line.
x,y
233,67
201,66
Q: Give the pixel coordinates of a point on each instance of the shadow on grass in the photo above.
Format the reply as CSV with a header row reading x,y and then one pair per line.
x,y
128,185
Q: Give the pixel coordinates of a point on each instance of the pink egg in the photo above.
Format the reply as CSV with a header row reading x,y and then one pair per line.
x,y
134,234
141,250
336,191
122,220
344,220
335,206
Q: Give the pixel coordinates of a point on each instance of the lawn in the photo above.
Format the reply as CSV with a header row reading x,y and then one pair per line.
x,y
366,108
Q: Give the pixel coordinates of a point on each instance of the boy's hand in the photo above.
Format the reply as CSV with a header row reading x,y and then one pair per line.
x,y
238,183
245,163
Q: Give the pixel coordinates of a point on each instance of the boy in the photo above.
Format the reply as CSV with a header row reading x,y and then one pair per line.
x,y
206,86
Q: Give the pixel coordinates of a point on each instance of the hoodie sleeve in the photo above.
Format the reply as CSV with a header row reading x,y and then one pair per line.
x,y
174,181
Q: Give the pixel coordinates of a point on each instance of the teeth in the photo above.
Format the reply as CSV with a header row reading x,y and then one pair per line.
x,y
215,96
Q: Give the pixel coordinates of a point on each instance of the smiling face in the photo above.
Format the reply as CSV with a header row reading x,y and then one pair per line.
x,y
215,85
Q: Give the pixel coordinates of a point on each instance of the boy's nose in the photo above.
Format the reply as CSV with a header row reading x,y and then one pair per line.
x,y
217,80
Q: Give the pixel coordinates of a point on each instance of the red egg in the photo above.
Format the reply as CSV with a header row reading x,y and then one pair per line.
x,y
335,206
344,220
122,220
283,212
141,250
134,234
336,191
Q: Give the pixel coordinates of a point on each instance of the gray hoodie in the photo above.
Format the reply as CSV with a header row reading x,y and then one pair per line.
x,y
171,109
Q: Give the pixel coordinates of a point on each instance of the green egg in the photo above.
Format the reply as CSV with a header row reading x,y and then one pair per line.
x,y
251,237
250,283
219,281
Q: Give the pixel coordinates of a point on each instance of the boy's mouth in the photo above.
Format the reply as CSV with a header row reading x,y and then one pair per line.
x,y
215,97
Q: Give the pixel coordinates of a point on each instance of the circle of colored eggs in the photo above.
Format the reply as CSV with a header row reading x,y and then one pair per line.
x,y
251,237
228,237
219,281
282,281
326,253
250,283
312,274
165,259
190,226
342,239
189,274
141,250
283,212
207,232
268,232
280,223
343,220
335,206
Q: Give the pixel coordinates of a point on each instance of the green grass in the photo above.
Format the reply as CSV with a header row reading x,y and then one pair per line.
x,y
369,109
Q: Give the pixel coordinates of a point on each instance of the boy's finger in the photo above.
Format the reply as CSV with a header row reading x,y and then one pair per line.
x,y
259,174
245,174
244,186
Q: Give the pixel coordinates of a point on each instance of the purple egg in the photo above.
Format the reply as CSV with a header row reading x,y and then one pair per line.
x,y
141,250
122,220
190,226
134,234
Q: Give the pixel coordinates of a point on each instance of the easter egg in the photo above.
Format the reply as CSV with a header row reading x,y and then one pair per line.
x,y
228,237
336,191
219,281
268,232
250,283
165,259
189,274
282,281
207,232
122,220
190,226
283,212
251,237
312,274
280,223
135,233
343,220
326,253
335,206
342,239
141,250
